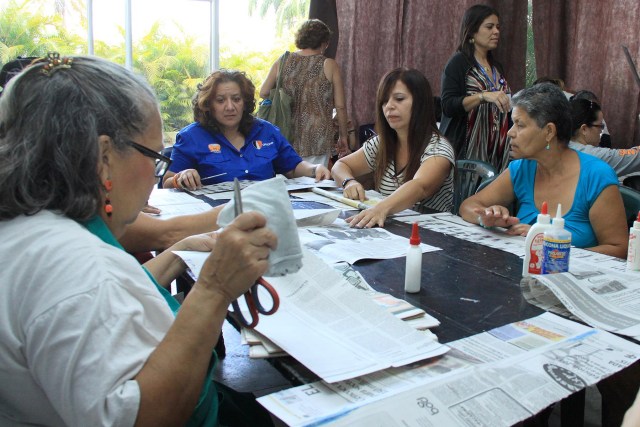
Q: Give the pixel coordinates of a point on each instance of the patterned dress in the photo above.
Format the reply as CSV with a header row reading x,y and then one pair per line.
x,y
312,94
487,127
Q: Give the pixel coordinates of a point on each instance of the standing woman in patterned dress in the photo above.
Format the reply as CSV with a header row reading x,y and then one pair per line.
x,y
315,85
475,94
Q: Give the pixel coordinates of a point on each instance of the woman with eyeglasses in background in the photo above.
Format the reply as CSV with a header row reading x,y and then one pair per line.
x,y
586,117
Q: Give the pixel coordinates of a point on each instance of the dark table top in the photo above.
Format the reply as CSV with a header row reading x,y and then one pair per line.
x,y
461,269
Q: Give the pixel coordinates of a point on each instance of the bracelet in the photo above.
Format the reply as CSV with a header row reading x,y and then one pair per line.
x,y
346,180
313,171
481,95
175,181
481,224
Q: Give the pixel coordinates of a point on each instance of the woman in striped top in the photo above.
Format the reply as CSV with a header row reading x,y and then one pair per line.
x,y
411,161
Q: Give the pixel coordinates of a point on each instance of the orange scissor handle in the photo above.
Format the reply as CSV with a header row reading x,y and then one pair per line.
x,y
272,292
253,312
254,305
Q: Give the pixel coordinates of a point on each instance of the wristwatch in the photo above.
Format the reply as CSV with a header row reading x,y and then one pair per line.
x,y
346,180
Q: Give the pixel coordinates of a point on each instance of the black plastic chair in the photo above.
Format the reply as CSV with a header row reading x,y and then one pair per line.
x,y
631,200
469,176
166,151
365,132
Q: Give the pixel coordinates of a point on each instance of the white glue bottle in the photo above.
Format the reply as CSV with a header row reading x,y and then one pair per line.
x,y
413,271
533,243
633,256
556,246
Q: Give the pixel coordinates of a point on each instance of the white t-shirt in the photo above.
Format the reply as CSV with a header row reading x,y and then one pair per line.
x,y
442,200
78,319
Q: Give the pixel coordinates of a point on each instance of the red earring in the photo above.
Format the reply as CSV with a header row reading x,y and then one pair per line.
x,y
108,207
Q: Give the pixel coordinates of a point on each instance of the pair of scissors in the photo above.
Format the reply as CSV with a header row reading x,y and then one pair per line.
x,y
251,296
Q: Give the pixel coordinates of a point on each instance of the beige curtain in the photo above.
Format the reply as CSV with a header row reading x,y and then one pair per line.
x,y
581,42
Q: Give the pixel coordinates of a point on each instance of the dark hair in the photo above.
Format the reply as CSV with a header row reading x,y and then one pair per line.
x,y
553,80
471,21
312,34
422,124
50,122
207,91
583,112
11,68
585,94
546,103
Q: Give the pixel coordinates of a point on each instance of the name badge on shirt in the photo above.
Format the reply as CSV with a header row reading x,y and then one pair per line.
x,y
214,148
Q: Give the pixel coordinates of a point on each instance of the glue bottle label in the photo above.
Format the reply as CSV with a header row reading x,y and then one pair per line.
x,y
535,255
555,255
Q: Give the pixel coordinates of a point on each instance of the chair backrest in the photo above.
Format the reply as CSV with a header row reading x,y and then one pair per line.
x,y
631,200
365,132
166,151
470,174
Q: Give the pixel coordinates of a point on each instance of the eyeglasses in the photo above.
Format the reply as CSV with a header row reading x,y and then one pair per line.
x,y
162,162
597,125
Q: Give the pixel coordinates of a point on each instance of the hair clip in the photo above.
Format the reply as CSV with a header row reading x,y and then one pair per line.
x,y
55,62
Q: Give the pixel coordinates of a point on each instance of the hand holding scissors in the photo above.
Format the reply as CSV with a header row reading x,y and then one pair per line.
x,y
251,297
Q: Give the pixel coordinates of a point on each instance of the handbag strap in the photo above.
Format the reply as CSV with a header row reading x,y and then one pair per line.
x,y
283,59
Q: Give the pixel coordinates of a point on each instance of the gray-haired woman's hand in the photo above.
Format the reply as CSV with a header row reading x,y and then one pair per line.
x,y
244,256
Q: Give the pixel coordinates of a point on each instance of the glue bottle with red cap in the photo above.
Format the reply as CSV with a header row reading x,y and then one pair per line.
x,y
633,256
413,271
533,243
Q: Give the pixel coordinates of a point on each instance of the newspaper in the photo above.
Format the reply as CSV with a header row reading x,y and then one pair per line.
x,y
597,289
337,331
494,378
338,242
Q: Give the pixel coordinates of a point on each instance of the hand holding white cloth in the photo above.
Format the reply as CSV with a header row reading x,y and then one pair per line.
x,y
270,198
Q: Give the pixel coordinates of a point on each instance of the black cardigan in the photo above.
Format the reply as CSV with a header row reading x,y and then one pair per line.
x,y
454,89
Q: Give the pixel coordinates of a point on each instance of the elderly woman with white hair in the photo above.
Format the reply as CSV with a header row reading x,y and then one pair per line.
x,y
87,335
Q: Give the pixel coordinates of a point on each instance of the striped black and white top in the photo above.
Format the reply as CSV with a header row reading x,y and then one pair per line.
x,y
438,146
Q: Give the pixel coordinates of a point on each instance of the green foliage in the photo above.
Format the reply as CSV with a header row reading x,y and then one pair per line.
x,y
24,33
289,13
172,65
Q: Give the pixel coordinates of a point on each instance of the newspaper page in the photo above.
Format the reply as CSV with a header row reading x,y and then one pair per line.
x,y
507,349
453,225
597,289
502,393
338,242
337,331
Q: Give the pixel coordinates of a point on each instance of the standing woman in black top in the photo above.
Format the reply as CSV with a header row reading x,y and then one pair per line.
x,y
476,98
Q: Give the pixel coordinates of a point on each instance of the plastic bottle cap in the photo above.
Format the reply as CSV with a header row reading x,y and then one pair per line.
x,y
415,235
543,216
558,221
544,210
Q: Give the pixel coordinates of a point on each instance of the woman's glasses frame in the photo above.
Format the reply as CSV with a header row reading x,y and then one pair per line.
x,y
162,162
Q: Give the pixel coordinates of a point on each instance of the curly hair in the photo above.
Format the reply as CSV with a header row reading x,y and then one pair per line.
x,y
207,91
312,34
